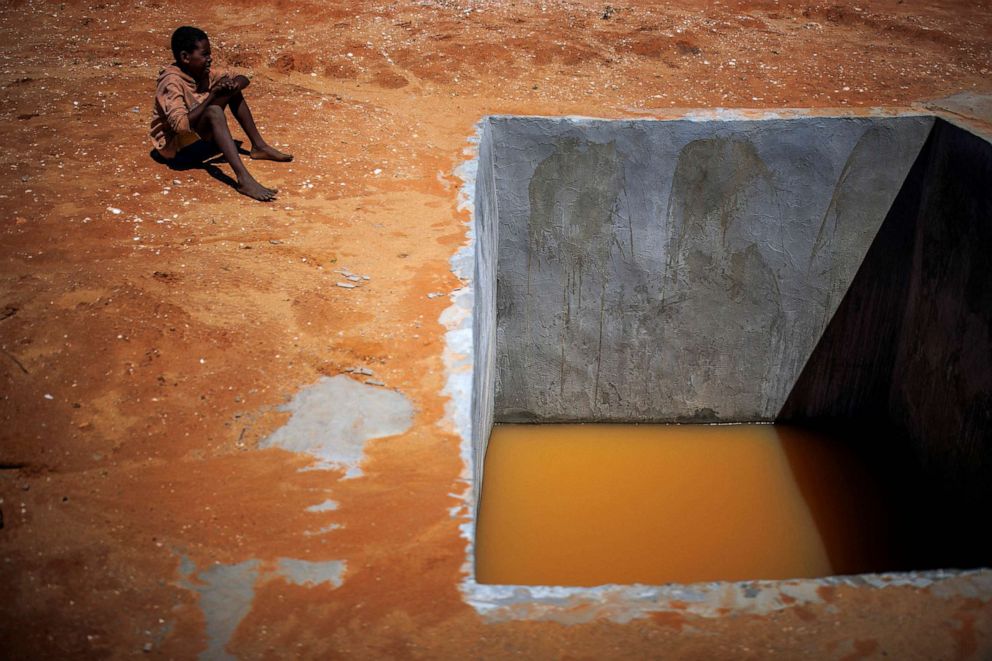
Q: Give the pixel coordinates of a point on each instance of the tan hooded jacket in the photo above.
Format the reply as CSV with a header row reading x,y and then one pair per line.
x,y
175,96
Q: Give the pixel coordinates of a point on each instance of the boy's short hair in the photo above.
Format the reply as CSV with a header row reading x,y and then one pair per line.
x,y
185,38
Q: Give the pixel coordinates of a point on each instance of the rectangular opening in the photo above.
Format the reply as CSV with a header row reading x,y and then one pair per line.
x,y
824,273
597,504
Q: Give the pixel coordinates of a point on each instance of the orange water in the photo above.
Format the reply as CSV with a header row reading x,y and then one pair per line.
x,y
595,504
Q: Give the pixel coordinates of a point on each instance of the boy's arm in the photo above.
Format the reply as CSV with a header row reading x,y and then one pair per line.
x,y
173,103
224,86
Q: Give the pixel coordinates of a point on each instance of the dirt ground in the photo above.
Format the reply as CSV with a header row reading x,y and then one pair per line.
x,y
152,320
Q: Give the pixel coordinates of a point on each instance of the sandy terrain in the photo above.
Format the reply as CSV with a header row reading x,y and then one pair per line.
x,y
144,354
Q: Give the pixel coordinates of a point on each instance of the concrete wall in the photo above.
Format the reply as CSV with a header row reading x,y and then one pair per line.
x,y
483,305
909,351
830,272
941,388
674,270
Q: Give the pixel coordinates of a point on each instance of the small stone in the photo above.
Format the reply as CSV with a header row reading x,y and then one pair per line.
x,y
365,371
47,396
434,294
275,242
114,210
365,277
346,285
374,382
147,648
354,278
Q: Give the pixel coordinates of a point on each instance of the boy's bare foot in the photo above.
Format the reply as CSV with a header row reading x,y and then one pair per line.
x,y
269,153
248,186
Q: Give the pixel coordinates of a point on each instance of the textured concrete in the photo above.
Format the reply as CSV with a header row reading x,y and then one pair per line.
x,y
942,384
624,603
334,418
225,596
674,270
888,253
225,592
909,352
304,572
485,251
966,105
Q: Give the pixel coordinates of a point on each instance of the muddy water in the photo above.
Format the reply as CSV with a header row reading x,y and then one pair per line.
x,y
595,504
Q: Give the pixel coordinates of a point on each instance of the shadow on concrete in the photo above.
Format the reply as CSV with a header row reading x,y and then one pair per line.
x,y
904,368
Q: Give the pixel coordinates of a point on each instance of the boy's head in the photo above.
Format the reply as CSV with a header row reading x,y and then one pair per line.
x,y
191,48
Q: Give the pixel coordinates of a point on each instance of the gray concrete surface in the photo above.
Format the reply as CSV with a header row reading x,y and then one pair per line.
x,y
941,387
334,418
671,270
225,595
909,351
304,572
887,298
968,105
485,226
225,592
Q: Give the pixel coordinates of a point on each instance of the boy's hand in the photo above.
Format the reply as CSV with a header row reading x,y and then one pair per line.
x,y
224,85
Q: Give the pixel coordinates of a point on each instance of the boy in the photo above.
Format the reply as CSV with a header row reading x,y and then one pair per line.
x,y
189,105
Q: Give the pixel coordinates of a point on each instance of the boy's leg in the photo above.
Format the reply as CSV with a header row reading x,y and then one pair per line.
x,y
213,127
260,149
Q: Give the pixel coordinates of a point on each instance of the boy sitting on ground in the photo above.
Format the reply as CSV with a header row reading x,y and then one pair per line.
x,y
189,106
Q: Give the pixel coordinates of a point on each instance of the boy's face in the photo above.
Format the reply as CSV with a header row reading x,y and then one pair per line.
x,y
197,62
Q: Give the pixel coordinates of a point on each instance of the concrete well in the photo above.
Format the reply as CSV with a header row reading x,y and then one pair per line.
x,y
824,270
